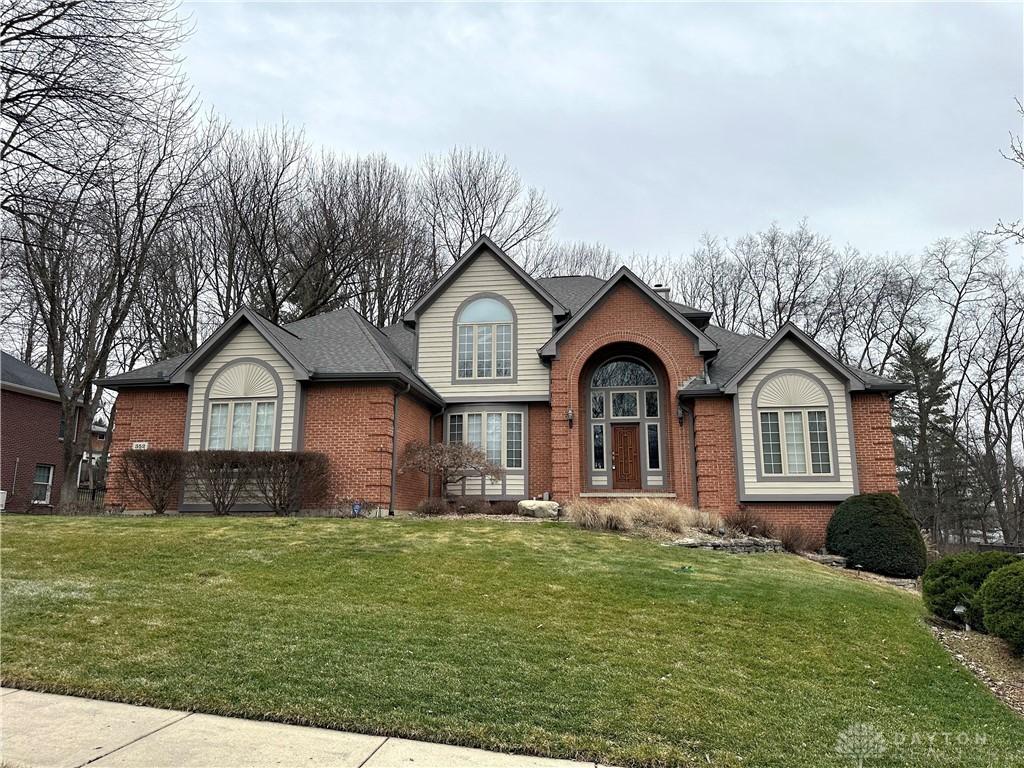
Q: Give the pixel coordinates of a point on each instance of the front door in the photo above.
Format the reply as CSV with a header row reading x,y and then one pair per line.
x,y
626,457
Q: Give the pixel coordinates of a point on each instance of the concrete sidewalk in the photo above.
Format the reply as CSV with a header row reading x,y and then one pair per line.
x,y
42,729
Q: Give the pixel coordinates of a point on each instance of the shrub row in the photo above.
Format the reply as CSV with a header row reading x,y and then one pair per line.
x,y
989,586
281,480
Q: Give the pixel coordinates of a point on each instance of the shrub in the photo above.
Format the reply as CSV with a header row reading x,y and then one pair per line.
x,y
155,475
749,523
219,477
1002,603
651,514
473,505
504,508
955,580
876,532
451,462
612,516
433,507
796,538
283,479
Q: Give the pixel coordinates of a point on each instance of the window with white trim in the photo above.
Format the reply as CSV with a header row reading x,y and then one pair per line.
x,y
484,340
42,484
790,436
498,433
241,425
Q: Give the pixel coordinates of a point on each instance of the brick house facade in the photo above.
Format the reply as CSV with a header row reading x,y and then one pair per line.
x,y
579,387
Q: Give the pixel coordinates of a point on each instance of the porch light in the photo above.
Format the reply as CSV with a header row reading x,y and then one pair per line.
x,y
569,415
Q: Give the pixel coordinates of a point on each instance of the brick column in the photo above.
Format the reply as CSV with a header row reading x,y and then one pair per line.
x,y
876,453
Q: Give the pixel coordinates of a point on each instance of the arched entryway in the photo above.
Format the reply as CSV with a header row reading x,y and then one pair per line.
x,y
625,408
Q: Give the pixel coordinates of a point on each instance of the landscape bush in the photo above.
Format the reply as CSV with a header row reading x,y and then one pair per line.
x,y
652,515
956,579
433,507
155,475
876,532
796,538
283,480
219,477
1002,603
504,508
472,505
749,523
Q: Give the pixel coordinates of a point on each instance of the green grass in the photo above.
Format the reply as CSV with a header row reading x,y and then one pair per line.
x,y
534,638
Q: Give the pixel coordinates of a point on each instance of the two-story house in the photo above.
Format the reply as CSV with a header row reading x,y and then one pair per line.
x,y
577,386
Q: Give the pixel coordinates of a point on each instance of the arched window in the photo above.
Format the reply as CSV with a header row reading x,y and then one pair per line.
x,y
243,407
793,415
624,373
485,332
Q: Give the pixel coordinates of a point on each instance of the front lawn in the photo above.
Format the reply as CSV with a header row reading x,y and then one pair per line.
x,y
536,638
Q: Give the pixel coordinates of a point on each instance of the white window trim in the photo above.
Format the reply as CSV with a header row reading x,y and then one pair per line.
x,y
808,460
49,485
647,445
611,404
494,351
231,403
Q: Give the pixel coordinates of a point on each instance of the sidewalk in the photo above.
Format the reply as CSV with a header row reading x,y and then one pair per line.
x,y
42,729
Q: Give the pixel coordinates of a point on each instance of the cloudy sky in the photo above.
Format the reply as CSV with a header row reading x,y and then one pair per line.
x,y
648,124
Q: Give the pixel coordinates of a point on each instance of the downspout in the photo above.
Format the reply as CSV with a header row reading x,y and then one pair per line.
x,y
691,418
430,441
394,448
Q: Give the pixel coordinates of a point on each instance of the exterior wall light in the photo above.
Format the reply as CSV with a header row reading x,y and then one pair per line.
x,y
569,416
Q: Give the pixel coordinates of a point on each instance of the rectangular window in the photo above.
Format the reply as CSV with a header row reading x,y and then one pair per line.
x,y
474,423
771,445
796,458
653,447
240,423
651,404
455,428
483,352
817,429
514,441
42,483
599,446
465,365
264,440
503,351
597,406
494,437
624,405
217,439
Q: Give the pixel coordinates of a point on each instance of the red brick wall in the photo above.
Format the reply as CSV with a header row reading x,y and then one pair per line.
x,y
413,426
539,469
28,436
154,415
625,315
876,453
716,453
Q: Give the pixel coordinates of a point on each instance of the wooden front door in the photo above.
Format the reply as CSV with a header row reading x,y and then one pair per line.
x,y
626,457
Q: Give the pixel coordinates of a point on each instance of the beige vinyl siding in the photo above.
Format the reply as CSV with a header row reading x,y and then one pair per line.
x,y
435,329
789,355
246,342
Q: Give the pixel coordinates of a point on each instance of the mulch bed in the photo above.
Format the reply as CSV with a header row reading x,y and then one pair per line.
x,y
990,659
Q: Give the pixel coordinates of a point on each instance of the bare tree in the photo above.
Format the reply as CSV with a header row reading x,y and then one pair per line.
x,y
468,192
1014,229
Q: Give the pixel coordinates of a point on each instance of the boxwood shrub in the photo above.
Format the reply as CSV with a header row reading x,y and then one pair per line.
x,y
955,580
1002,603
876,532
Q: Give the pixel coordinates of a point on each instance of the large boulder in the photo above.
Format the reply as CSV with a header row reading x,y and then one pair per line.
x,y
545,509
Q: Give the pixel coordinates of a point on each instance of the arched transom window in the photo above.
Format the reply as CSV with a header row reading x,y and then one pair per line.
x,y
793,414
243,408
485,330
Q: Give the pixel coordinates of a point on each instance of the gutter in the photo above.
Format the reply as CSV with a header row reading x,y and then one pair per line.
x,y
394,449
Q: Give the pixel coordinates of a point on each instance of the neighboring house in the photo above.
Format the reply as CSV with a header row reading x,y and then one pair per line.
x,y
31,437
578,386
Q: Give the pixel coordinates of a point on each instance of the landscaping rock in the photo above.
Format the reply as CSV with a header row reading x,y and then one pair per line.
x,y
836,561
740,546
545,509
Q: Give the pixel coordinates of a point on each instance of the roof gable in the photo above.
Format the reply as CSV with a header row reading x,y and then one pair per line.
x,y
483,245
805,342
19,377
275,336
624,274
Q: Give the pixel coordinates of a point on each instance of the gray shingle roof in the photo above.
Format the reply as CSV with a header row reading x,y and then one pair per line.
x,y
18,374
575,290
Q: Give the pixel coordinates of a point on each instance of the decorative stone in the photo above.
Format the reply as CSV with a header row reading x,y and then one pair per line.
x,y
836,561
544,509
740,546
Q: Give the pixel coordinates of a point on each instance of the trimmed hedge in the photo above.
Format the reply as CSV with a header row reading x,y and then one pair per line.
x,y
876,532
1002,602
955,580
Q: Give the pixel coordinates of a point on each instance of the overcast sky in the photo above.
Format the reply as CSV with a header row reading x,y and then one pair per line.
x,y
649,124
